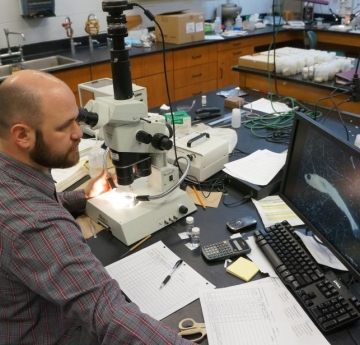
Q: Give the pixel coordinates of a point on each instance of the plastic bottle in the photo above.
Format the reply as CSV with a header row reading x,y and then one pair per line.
x,y
195,237
217,25
238,23
189,225
96,160
203,100
236,118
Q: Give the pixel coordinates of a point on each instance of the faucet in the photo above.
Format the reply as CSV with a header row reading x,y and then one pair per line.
x,y
9,52
69,32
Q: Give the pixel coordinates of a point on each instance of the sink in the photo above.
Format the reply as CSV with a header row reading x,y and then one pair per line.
x,y
49,63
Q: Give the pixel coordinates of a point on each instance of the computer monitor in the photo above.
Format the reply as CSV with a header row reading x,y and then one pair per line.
x,y
321,184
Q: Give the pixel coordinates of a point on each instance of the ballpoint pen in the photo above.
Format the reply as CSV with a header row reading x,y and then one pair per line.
x,y
178,263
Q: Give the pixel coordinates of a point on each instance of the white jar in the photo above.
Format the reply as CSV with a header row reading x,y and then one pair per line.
x,y
236,118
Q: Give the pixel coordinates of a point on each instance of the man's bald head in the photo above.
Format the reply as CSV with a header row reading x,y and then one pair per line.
x,y
22,98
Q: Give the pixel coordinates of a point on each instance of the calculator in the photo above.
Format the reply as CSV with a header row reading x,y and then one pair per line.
x,y
225,249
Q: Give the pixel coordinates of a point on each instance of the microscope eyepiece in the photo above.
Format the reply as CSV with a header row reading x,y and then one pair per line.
x,y
87,117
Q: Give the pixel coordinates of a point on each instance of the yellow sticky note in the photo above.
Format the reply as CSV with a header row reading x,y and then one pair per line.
x,y
243,269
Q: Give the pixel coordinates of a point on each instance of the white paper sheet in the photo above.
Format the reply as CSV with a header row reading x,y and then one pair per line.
x,y
141,274
266,106
261,312
273,209
259,168
321,253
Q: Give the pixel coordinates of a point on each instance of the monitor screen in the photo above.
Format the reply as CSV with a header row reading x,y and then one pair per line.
x,y
321,183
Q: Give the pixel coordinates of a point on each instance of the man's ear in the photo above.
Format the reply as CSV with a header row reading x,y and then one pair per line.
x,y
23,135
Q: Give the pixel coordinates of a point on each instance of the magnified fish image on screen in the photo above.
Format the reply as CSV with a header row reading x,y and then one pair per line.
x,y
322,184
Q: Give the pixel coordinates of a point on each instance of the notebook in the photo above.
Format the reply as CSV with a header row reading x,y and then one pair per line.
x,y
345,77
243,269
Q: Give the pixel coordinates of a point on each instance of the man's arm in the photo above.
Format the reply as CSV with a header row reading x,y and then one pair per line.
x,y
56,263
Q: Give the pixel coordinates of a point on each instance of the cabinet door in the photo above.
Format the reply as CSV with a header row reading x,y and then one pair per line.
x,y
156,88
100,71
226,60
74,77
150,64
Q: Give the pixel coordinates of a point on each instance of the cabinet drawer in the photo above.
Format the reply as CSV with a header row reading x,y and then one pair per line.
x,y
234,54
196,89
234,44
193,75
194,56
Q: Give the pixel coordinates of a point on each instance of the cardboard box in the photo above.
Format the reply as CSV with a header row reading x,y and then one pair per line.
x,y
180,27
257,61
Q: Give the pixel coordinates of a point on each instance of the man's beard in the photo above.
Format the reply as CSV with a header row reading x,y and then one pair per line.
x,y
42,155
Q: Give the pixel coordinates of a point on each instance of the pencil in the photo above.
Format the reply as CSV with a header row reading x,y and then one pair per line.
x,y
136,245
199,198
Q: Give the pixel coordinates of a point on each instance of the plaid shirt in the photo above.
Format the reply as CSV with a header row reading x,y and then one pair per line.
x,y
50,283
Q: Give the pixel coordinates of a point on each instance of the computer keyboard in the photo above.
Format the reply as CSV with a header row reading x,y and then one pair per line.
x,y
326,300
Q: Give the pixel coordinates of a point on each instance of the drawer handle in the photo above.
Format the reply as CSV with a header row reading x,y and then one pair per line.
x,y
196,56
237,53
197,93
197,75
221,73
237,44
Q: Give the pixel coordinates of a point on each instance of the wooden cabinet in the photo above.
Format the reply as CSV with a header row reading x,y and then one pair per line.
x,y
195,71
147,71
190,71
74,77
228,55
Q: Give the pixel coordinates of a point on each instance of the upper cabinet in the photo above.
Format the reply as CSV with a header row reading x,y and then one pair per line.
x,y
37,9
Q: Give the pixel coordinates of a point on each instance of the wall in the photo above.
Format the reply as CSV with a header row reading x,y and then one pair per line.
x,y
47,29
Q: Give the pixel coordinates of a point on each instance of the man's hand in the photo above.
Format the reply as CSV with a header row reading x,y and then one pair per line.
x,y
98,185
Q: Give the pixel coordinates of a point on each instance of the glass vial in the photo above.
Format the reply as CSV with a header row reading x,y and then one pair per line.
x,y
236,118
195,237
189,225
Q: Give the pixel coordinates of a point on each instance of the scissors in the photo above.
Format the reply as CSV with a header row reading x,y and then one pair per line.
x,y
188,326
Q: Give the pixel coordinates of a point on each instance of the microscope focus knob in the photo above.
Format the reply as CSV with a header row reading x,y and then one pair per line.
x,y
143,137
183,209
161,142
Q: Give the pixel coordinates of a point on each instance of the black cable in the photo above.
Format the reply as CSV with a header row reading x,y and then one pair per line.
x,y
238,202
152,18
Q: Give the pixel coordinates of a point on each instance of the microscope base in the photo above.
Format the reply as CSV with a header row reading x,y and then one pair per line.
x,y
131,224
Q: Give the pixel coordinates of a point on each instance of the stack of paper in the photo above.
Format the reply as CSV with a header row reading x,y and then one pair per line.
x,y
64,178
268,107
259,168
